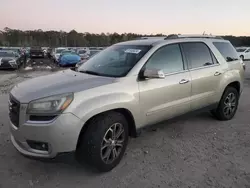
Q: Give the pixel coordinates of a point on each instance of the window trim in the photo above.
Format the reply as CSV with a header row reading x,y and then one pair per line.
x,y
184,62
201,67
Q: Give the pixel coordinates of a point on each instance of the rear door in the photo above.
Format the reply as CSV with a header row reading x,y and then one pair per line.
x,y
205,74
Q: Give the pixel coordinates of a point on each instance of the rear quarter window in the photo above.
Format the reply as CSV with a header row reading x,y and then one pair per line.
x,y
227,51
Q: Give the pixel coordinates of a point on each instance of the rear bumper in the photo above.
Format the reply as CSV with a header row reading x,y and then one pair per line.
x,y
61,135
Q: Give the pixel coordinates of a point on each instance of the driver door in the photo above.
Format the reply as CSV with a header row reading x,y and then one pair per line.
x,y
163,98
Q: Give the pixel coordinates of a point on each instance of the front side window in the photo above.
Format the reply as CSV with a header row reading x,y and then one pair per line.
x,y
115,61
168,59
227,51
58,51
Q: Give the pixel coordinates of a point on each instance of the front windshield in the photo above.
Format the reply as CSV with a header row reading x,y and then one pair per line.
x,y
93,52
6,54
81,51
66,51
241,50
115,61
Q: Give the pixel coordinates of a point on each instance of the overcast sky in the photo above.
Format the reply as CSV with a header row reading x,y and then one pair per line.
x,y
221,17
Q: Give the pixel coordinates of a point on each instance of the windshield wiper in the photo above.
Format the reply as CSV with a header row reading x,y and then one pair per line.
x,y
90,72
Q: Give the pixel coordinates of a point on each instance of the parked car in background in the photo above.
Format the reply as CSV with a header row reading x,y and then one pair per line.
x,y
69,58
83,53
65,52
56,53
16,50
89,54
243,52
36,51
9,60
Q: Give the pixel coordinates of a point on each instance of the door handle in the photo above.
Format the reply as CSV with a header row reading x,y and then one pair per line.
x,y
183,81
217,73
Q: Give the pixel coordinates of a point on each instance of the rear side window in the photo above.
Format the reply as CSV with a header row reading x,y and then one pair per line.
x,y
227,51
198,54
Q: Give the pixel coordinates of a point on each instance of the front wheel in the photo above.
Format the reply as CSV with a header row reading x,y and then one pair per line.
x,y
103,144
228,105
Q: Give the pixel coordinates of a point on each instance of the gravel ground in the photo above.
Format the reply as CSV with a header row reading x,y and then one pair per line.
x,y
193,151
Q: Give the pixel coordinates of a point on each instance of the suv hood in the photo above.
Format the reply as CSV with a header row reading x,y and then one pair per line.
x,y
57,83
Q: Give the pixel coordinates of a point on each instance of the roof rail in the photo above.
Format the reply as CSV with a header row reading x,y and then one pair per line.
x,y
174,36
159,37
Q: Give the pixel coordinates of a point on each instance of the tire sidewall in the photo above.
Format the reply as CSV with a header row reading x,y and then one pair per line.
x,y
91,143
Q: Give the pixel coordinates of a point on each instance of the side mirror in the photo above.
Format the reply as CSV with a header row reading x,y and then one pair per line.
x,y
153,73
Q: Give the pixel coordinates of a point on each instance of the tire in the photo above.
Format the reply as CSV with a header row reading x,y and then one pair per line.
x,y
231,98
242,57
93,150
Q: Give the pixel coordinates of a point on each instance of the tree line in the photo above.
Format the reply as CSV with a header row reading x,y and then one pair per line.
x,y
14,37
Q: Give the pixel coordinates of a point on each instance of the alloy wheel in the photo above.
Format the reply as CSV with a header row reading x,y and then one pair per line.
x,y
112,143
229,105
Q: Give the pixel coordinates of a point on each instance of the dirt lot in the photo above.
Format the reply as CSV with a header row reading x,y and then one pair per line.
x,y
194,151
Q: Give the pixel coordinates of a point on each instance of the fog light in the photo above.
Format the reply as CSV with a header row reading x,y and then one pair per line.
x,y
43,146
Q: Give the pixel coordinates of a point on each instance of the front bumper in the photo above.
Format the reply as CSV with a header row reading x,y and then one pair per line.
x,y
37,55
61,135
7,65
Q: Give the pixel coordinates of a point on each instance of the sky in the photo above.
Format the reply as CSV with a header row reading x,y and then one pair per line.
x,y
217,17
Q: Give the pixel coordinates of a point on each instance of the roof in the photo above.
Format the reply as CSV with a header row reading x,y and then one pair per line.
x,y
7,51
171,38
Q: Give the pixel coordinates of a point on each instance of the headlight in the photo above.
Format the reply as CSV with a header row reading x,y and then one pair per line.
x,y
12,61
50,105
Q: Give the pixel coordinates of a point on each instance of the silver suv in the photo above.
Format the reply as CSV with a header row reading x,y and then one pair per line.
x,y
122,89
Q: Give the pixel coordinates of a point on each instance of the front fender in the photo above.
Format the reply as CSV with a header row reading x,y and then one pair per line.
x,y
85,109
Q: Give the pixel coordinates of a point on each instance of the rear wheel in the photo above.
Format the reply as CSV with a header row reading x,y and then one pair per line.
x,y
228,105
103,144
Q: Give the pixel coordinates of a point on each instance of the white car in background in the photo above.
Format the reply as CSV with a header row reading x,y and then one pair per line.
x,y
243,52
83,53
56,53
89,54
